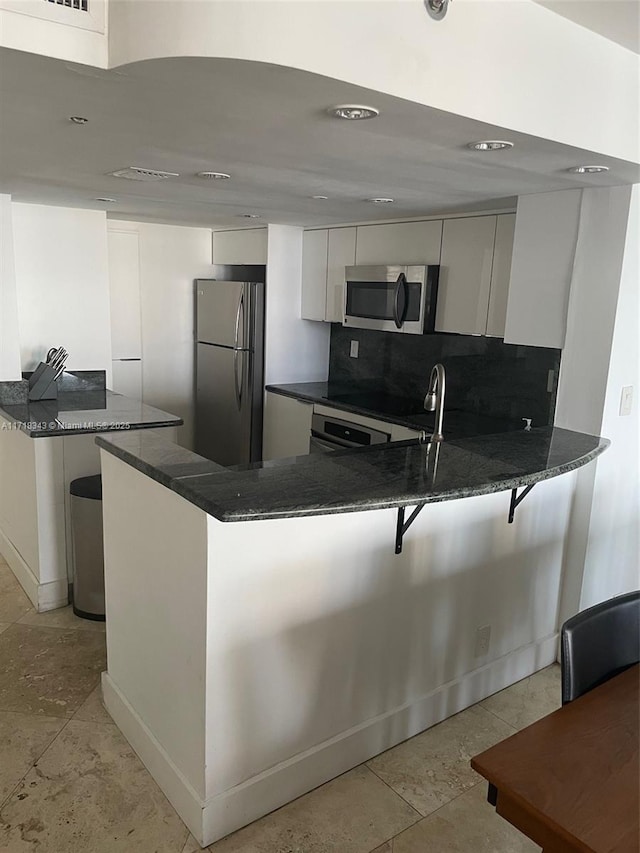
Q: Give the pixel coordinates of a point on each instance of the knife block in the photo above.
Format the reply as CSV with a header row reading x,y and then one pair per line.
x,y
42,384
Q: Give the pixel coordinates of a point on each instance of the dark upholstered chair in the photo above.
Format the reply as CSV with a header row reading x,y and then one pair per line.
x,y
599,643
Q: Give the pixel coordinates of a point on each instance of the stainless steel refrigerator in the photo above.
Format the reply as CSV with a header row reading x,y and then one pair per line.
x,y
230,364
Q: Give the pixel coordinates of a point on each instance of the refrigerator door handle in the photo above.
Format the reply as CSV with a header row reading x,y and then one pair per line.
x,y
238,312
237,384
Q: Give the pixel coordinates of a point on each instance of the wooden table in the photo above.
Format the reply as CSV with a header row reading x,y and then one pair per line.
x,y
571,781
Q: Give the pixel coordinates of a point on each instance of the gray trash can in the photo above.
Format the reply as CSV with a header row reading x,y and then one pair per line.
x,y
88,560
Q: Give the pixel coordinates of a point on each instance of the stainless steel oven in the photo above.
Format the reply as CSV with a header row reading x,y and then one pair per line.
x,y
391,298
329,433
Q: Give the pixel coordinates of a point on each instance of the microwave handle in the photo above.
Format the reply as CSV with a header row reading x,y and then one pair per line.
x,y
401,288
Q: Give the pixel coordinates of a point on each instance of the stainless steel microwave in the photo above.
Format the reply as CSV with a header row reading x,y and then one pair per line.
x,y
392,298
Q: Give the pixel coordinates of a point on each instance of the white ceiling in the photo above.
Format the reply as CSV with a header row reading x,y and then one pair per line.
x,y
265,125
616,20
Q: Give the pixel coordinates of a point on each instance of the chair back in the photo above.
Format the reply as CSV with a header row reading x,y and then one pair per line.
x,y
599,643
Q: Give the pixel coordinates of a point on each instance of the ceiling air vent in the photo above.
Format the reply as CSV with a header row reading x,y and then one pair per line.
x,y
80,5
135,173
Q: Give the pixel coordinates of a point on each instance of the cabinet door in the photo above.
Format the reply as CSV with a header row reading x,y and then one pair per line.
x,y
465,275
287,427
543,255
248,246
500,274
341,254
124,293
314,274
400,243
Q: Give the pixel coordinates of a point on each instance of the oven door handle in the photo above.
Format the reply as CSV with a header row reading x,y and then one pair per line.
x,y
332,440
399,311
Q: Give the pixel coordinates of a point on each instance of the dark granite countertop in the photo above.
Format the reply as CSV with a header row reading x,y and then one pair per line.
x,y
77,412
388,475
393,409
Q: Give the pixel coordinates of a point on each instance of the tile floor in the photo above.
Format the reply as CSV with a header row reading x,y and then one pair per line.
x,y
70,783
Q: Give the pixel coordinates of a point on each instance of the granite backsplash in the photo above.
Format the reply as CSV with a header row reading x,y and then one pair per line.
x,y
483,375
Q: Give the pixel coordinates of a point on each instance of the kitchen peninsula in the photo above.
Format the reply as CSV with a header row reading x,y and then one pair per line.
x,y
44,445
249,662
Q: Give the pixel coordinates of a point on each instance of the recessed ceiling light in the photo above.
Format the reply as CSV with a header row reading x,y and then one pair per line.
x,y
353,112
214,176
588,170
380,200
490,145
249,215
107,200
320,197
79,119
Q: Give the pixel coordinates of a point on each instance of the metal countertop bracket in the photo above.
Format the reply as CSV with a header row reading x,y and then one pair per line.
x,y
402,526
516,499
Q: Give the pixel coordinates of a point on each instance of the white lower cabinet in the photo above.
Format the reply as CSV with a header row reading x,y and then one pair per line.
x,y
286,427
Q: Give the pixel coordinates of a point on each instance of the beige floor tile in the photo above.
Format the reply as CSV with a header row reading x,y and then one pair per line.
x,y
432,768
63,617
467,824
352,814
48,671
528,700
89,792
4,626
23,739
387,847
191,845
92,710
13,600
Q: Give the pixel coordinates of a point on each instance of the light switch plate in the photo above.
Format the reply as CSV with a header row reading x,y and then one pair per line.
x,y
626,400
355,346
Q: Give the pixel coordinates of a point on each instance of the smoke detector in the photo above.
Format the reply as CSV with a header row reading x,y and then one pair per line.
x,y
136,173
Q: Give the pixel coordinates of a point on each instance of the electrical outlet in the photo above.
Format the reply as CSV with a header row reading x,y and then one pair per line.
x,y
483,638
626,400
355,346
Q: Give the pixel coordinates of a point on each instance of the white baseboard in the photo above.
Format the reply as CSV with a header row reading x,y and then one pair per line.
x,y
210,820
43,596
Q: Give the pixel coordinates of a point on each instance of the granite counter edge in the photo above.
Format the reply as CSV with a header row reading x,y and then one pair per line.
x,y
182,487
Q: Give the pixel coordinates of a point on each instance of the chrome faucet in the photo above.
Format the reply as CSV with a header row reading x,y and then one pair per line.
x,y
434,400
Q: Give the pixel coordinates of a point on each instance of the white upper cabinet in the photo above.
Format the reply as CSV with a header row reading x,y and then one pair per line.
x,y
247,246
124,292
500,274
342,253
314,274
543,251
399,243
325,254
465,275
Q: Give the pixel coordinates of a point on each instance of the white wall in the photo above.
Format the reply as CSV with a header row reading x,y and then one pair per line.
x,y
612,560
9,337
600,355
170,258
295,350
483,60
62,285
55,30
